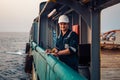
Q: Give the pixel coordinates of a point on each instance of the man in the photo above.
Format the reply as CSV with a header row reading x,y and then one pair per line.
x,y
66,44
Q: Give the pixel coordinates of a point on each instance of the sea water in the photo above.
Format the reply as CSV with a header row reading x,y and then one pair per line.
x,y
12,55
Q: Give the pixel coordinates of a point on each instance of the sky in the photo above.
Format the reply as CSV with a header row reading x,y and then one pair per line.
x,y
18,15
110,18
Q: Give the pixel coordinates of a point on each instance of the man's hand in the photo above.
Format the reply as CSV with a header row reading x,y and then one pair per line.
x,y
54,51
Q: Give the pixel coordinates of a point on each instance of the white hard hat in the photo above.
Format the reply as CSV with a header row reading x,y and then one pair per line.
x,y
63,18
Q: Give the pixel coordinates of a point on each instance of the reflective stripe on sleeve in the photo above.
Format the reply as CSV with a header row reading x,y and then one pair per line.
x,y
73,49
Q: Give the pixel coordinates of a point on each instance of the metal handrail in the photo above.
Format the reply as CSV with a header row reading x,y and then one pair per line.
x,y
49,67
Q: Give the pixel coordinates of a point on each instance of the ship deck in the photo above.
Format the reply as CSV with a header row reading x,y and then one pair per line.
x,y
110,64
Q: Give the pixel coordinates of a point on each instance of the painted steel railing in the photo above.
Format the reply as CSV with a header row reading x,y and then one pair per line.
x,y
48,67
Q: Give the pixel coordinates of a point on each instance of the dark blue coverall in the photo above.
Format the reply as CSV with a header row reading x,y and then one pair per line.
x,y
70,41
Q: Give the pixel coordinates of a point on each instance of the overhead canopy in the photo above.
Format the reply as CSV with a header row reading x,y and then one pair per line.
x,y
82,7
98,4
89,4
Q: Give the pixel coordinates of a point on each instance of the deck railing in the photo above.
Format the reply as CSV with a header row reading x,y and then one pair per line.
x,y
48,67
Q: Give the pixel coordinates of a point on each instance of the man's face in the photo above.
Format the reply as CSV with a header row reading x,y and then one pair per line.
x,y
63,26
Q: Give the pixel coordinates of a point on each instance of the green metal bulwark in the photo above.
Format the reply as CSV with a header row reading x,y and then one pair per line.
x,y
49,67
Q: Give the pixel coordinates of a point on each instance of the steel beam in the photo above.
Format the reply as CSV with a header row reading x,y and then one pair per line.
x,y
95,46
78,8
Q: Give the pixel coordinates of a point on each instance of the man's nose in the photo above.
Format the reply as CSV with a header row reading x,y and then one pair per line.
x,y
62,25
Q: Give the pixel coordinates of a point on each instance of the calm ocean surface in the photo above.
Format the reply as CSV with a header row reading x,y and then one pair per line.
x,y
12,55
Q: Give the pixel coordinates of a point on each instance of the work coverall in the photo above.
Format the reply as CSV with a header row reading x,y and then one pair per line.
x,y
70,41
